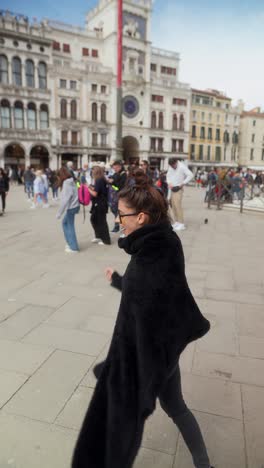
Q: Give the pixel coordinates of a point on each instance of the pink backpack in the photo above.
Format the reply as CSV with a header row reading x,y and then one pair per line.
x,y
84,197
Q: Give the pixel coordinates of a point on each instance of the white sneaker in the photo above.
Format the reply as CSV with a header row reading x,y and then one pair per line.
x,y
69,250
180,227
95,240
101,243
33,207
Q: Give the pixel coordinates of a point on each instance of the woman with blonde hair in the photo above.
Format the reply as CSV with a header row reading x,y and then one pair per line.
x,y
39,190
99,207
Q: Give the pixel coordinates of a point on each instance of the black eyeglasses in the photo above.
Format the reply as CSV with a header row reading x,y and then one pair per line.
x,y
120,215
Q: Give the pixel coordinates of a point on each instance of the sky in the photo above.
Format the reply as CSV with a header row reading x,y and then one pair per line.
x,y
221,43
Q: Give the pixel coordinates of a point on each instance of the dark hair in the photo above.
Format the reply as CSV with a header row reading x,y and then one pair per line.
x,y
63,175
172,161
117,163
142,196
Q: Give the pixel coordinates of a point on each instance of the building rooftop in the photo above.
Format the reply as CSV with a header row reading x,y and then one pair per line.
x,y
211,92
256,112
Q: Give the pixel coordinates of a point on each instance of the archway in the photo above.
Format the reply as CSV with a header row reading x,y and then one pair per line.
x,y
130,150
66,157
39,157
14,156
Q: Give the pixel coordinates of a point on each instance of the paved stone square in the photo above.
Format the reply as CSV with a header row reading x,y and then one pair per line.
x,y
57,313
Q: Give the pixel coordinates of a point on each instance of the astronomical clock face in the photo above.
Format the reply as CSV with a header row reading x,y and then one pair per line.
x,y
130,107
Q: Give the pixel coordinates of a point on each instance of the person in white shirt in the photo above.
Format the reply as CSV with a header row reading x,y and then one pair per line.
x,y
178,175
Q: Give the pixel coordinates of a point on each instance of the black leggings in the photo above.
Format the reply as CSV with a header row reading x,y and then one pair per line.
x,y
99,223
3,197
172,403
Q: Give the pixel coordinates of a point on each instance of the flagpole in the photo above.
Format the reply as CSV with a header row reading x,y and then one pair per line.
x,y
119,92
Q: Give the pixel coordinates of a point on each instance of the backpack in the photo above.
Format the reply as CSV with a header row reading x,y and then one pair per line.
x,y
84,197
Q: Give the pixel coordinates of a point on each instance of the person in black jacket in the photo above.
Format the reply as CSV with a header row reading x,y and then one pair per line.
x,y
99,208
117,182
4,188
157,319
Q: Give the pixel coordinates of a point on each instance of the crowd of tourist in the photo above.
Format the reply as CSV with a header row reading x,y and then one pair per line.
x,y
229,184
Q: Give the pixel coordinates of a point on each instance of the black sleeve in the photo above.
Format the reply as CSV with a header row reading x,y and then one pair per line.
x,y
98,186
7,184
117,281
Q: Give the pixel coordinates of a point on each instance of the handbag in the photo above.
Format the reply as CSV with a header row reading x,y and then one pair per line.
x,y
176,189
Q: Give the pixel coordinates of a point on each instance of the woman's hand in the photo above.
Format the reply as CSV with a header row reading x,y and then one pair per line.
x,y
108,273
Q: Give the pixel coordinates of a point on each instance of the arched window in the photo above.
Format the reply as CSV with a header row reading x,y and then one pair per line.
x,y
94,112
3,69
161,120
226,137
235,138
5,114
42,75
63,109
16,71
73,109
182,122
44,117
30,78
103,113
153,119
32,116
19,114
175,122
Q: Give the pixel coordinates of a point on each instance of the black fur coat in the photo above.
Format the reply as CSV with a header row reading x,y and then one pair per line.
x,y
157,318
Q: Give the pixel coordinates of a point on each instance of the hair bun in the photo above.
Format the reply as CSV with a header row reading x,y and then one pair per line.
x,y
142,180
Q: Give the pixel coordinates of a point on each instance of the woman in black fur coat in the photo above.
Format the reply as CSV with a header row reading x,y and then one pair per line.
x,y
157,319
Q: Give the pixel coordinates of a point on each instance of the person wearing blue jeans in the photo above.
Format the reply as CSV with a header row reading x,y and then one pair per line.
x,y
69,228
70,206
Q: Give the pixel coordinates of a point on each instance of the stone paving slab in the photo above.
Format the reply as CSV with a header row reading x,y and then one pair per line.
x,y
29,444
8,308
48,390
83,315
72,415
153,459
23,321
64,339
10,382
212,396
236,369
224,439
253,398
23,358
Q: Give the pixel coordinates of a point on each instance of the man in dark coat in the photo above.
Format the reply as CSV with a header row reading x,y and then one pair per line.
x,y
157,319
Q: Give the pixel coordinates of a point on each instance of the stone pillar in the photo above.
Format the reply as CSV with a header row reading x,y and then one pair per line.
x,y
84,159
166,164
12,113
27,159
10,76
25,116
36,76
58,161
23,76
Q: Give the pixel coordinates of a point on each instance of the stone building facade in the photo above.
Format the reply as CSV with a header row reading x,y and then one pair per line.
x,y
58,91
251,145
214,129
